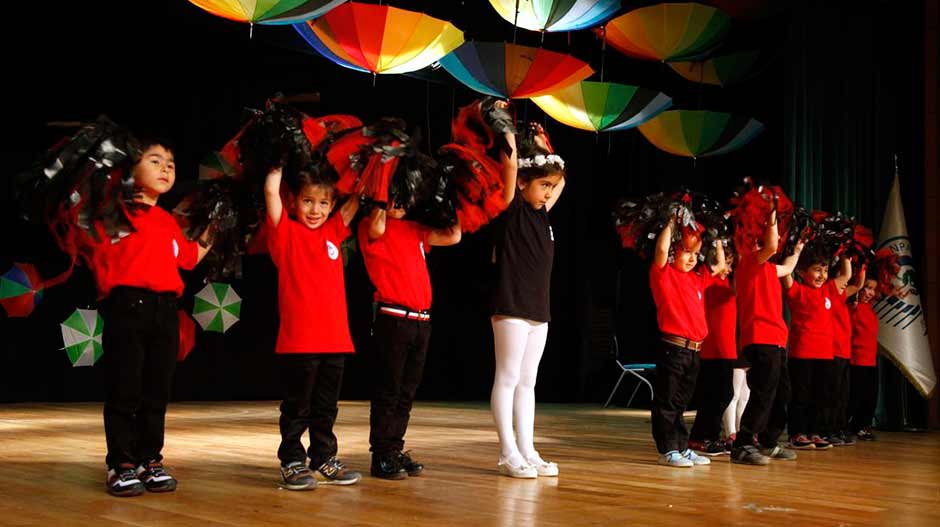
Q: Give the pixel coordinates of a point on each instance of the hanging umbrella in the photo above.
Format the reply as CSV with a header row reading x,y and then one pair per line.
x,y
667,32
187,336
81,335
693,133
20,290
380,39
217,307
603,106
514,72
268,12
722,70
556,15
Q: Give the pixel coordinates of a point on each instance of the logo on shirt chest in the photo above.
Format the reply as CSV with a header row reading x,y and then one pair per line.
x,y
828,304
176,249
421,248
699,293
551,233
331,250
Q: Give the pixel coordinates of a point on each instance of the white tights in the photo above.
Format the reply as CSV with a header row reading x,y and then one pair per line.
x,y
735,409
519,345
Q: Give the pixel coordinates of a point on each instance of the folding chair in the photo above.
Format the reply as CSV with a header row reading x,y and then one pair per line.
x,y
636,370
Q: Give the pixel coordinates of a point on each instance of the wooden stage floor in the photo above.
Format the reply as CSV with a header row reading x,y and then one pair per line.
x,y
52,472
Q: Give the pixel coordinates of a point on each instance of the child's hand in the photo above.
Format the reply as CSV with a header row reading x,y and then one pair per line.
x,y
501,104
798,248
276,172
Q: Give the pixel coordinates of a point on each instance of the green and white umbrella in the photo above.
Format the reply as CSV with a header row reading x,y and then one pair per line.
x,y
217,307
81,334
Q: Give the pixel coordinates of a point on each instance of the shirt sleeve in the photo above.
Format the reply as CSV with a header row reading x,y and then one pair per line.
x,y
185,250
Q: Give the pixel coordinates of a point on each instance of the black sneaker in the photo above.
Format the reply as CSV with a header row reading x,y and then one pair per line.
x,y
748,455
847,439
865,435
835,440
412,467
388,467
123,481
778,452
820,443
298,477
155,478
334,472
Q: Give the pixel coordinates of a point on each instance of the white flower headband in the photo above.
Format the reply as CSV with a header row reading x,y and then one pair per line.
x,y
541,160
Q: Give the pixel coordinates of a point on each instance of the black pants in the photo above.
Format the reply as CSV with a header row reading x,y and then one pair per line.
x,y
140,342
676,371
841,391
766,412
312,382
812,410
715,389
401,346
864,394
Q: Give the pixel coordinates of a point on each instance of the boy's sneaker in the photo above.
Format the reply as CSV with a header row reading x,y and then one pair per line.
x,y
835,440
748,455
334,472
675,459
695,458
801,442
388,467
123,481
298,477
155,478
865,435
847,439
412,467
778,452
819,443
707,447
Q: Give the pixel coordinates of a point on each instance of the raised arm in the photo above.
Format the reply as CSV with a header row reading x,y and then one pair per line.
x,y
349,209
510,165
556,193
272,195
443,237
720,262
376,221
856,284
845,274
771,239
785,270
662,245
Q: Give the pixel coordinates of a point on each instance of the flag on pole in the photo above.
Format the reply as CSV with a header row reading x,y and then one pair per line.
x,y
902,325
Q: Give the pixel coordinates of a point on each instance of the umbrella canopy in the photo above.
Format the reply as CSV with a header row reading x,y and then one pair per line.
x,y
556,15
603,106
513,71
81,335
722,70
20,290
691,133
217,307
273,12
667,32
380,39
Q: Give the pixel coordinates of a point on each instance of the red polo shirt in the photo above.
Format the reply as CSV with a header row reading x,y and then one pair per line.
x,y
841,323
311,290
760,303
680,301
811,331
721,312
864,335
149,257
395,263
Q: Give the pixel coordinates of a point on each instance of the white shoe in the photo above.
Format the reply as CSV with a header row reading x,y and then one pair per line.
x,y
695,458
544,468
521,470
675,459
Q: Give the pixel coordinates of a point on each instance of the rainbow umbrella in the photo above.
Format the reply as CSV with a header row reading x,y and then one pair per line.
x,y
692,133
380,39
20,290
667,32
556,15
722,70
514,72
269,12
603,106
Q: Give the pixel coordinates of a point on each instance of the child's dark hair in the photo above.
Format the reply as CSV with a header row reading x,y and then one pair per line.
x,y
319,174
146,141
528,150
813,253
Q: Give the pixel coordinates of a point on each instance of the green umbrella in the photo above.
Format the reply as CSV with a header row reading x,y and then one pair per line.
x,y
722,70
603,106
693,133
217,307
81,334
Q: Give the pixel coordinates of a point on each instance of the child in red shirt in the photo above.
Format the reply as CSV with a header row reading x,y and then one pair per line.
x,y
313,338
393,249
718,357
864,375
842,353
138,279
812,409
762,341
679,294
